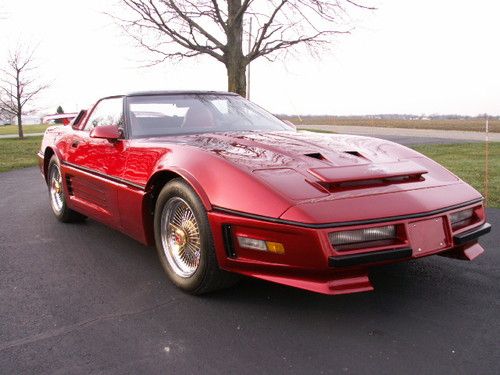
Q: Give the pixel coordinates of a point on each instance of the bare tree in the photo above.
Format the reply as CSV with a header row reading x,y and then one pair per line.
x,y
186,28
19,85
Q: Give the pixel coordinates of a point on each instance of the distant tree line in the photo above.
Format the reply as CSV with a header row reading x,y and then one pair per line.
x,y
393,117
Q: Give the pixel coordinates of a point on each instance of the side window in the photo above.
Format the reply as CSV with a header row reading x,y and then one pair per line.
x,y
107,112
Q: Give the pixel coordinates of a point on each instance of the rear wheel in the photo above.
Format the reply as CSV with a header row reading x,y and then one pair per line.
x,y
56,194
184,241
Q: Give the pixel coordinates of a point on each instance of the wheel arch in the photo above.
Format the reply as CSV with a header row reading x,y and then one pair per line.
x,y
160,178
47,155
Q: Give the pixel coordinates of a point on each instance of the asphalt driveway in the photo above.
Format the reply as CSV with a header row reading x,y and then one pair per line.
x,y
83,298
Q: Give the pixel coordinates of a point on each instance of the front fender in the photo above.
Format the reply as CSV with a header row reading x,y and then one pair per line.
x,y
220,183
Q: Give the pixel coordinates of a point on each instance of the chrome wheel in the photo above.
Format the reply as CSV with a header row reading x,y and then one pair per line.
x,y
56,189
180,237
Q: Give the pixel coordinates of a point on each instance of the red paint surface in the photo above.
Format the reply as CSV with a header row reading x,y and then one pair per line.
x,y
266,174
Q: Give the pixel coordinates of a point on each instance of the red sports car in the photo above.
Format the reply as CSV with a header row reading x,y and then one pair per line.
x,y
222,188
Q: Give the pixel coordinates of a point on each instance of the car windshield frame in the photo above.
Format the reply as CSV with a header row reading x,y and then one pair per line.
x,y
205,101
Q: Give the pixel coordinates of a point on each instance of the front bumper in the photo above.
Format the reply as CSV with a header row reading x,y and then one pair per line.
x,y
472,234
310,262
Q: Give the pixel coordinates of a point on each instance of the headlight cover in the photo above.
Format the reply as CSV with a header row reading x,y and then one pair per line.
x,y
361,238
462,218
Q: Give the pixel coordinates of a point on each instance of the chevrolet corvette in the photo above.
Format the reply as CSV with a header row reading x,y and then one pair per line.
x,y
223,188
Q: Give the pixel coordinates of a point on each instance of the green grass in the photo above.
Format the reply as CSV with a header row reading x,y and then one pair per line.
x,y
467,161
12,129
18,153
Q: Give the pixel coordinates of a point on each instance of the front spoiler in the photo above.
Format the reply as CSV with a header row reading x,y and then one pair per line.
x,y
371,257
354,280
308,262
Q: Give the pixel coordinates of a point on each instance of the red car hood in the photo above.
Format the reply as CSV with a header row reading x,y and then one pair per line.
x,y
304,166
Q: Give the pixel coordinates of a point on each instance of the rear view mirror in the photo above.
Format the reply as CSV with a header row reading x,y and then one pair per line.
x,y
109,132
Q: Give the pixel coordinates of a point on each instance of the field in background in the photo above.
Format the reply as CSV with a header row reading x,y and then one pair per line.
x,y
467,125
468,162
18,153
12,129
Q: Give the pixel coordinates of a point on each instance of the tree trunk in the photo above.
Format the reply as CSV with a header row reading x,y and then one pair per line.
x,y
19,107
236,77
234,59
20,126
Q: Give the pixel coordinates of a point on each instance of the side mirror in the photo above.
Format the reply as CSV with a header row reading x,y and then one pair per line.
x,y
76,122
109,132
290,124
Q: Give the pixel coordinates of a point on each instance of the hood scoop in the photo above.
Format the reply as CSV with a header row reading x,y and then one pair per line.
x,y
365,175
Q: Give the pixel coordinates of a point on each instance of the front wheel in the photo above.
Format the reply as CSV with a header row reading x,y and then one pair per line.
x,y
184,241
56,194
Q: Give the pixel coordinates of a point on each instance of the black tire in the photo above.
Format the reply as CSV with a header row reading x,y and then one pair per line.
x,y
207,276
61,212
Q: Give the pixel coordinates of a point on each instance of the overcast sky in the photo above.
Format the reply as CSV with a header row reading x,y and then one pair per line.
x,y
427,56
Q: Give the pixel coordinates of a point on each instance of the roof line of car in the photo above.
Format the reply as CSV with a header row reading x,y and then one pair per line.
x,y
171,92
180,92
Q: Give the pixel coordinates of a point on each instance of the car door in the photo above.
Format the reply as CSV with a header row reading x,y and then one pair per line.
x,y
94,165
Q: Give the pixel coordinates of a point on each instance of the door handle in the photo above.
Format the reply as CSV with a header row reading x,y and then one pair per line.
x,y
75,144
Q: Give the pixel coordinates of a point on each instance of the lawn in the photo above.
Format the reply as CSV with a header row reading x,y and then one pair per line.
x,y
12,129
18,153
467,161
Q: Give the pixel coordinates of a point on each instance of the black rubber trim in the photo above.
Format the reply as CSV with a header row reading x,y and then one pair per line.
x,y
228,241
345,223
364,258
471,235
103,175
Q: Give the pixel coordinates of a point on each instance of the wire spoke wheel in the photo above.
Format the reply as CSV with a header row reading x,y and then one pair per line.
x,y
180,237
56,189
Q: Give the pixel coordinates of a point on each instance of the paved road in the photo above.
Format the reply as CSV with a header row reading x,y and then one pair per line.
x,y
83,298
409,136
403,139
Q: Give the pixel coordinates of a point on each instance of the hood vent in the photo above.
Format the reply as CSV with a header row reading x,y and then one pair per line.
x,y
315,155
354,153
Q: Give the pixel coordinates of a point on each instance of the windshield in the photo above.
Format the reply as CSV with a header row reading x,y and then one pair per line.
x,y
156,115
